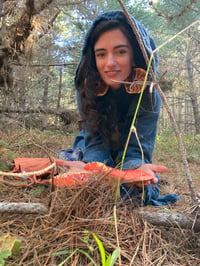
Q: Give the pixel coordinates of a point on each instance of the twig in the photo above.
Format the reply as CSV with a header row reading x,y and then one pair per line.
x,y
40,172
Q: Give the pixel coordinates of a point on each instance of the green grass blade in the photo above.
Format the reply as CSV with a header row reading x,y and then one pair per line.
x,y
101,249
88,256
114,257
64,261
62,252
108,260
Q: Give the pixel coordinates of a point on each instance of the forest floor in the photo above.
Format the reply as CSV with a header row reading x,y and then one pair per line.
x,y
64,235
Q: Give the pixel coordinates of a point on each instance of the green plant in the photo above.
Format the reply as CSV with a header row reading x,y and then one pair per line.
x,y
106,260
38,190
71,253
86,240
9,246
6,156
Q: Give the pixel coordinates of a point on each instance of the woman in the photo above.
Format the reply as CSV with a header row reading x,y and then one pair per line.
x,y
111,60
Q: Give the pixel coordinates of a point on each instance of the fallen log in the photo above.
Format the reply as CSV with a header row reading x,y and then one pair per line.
x,y
23,207
36,111
67,115
184,221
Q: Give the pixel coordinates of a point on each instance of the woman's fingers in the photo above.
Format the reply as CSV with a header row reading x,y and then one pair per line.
x,y
72,165
158,168
153,168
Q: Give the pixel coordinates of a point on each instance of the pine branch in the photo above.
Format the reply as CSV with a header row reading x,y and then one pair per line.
x,y
182,11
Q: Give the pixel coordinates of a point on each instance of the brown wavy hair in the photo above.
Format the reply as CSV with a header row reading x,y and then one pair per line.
x,y
100,113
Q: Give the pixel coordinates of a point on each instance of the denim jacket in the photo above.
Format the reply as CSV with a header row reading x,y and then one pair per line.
x,y
146,127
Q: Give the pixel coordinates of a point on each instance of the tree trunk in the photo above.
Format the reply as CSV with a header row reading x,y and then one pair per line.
x,y
193,96
59,89
45,98
195,107
46,91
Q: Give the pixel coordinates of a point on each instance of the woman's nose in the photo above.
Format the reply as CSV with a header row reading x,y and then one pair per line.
x,y
111,60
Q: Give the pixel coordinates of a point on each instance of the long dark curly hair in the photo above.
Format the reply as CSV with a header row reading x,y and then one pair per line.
x,y
100,113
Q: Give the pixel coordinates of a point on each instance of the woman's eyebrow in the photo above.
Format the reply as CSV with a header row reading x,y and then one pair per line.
x,y
116,47
121,46
99,50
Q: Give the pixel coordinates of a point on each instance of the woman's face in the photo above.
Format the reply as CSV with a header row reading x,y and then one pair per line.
x,y
114,57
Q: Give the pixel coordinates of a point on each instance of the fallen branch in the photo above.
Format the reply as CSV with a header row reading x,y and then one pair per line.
x,y
36,111
67,115
179,220
22,207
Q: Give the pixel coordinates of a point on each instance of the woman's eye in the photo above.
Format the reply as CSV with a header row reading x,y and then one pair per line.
x,y
100,55
122,52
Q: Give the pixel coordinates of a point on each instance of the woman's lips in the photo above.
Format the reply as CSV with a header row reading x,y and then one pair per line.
x,y
111,74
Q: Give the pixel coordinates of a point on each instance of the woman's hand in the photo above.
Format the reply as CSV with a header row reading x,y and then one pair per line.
x,y
151,169
73,166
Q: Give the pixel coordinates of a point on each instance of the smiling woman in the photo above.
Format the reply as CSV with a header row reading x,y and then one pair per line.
x,y
111,62
114,59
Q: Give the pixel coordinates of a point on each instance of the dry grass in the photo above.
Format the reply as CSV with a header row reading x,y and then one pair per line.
x,y
87,207
90,207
